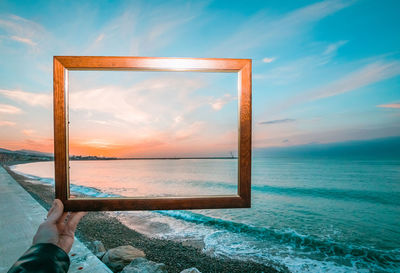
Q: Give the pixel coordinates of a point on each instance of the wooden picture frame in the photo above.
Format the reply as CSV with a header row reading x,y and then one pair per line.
x,y
61,66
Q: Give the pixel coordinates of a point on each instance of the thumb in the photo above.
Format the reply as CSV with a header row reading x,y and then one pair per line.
x,y
56,211
74,219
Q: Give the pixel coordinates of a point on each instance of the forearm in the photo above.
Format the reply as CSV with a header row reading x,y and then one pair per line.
x,y
44,258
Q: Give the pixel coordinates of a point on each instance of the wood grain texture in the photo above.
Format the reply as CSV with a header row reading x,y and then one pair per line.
x,y
245,126
151,63
64,63
171,203
60,132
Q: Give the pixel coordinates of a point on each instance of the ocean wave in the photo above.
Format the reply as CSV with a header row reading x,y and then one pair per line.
x,y
45,180
89,191
385,198
384,259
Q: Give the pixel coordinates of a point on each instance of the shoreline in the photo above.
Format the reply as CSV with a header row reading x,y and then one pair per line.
x,y
177,256
79,158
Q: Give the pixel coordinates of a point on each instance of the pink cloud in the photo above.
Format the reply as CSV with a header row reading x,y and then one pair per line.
x,y
34,99
6,123
28,132
218,103
9,109
392,105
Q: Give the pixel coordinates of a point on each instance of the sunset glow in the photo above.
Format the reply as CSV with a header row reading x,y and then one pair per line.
x,y
152,114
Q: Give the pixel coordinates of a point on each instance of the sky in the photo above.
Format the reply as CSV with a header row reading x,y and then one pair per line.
x,y
323,72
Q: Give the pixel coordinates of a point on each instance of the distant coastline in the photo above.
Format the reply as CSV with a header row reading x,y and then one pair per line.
x,y
9,157
388,147
147,158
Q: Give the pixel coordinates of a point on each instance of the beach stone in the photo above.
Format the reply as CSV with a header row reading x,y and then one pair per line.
x,y
100,255
117,258
142,265
191,270
199,244
97,248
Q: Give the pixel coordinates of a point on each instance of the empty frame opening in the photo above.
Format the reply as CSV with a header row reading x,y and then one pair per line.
x,y
152,134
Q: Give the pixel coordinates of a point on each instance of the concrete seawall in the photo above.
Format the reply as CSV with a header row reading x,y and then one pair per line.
x,y
20,216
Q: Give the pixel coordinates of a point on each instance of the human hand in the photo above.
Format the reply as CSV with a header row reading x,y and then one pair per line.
x,y
59,227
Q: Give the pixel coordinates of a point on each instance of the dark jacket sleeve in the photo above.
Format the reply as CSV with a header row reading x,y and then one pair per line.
x,y
43,258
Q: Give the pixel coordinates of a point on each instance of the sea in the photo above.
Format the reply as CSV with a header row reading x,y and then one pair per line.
x,y
309,214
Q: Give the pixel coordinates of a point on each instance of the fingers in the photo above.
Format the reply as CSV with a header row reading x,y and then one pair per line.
x,y
56,211
53,206
50,210
62,218
73,220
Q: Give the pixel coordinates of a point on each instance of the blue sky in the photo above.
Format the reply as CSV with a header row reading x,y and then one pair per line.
x,y
323,71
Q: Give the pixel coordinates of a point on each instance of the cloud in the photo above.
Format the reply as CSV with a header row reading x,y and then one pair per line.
x,y
33,99
99,38
391,105
143,110
293,70
178,119
112,100
23,40
22,30
369,74
190,131
218,103
105,147
28,132
288,72
145,30
268,60
100,143
9,109
6,123
277,121
168,114
332,48
262,29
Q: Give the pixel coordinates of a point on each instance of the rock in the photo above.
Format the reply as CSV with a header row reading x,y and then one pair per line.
x,y
199,244
142,265
191,270
100,255
97,248
117,258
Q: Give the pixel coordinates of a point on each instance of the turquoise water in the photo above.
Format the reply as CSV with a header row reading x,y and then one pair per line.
x,y
311,214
